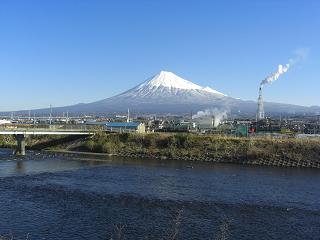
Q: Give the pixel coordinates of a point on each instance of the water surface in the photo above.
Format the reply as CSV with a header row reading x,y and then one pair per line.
x,y
57,197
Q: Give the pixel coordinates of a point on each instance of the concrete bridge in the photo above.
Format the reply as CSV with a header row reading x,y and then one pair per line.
x,y
21,132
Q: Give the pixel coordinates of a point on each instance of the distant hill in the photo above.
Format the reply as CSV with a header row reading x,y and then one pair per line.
x,y
169,93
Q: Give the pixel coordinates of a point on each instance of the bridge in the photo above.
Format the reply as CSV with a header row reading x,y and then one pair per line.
x,y
20,132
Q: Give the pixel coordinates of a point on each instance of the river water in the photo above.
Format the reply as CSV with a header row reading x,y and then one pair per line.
x,y
46,196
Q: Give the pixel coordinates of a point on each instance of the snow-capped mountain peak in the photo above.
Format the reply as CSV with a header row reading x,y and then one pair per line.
x,y
169,80
209,89
168,87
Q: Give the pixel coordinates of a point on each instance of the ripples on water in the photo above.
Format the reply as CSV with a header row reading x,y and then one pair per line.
x,y
54,197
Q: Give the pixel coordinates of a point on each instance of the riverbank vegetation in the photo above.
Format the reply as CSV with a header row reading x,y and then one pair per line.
x,y
206,147
214,148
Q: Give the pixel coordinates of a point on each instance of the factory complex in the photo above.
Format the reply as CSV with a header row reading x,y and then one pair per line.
x,y
216,123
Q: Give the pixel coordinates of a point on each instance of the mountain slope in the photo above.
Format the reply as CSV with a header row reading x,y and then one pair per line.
x,y
167,83
169,93
164,92
167,88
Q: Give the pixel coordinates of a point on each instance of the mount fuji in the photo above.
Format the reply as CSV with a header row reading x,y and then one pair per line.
x,y
168,93
168,88
163,93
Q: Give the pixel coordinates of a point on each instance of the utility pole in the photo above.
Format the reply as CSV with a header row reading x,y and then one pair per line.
x,y
50,118
67,120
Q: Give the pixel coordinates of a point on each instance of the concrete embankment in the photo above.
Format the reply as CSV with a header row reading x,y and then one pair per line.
x,y
258,162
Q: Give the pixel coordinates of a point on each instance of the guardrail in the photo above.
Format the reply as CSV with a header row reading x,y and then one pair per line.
x,y
60,128
63,128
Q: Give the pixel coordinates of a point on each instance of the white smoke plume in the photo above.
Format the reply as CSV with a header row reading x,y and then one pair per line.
x,y
274,76
215,113
300,55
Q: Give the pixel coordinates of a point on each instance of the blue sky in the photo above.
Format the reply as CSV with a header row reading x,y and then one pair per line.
x,y
65,52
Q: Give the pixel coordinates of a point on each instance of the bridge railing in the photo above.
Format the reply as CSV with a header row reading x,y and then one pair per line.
x,y
53,127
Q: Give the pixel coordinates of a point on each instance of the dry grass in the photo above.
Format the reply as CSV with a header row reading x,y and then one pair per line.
x,y
210,147
186,146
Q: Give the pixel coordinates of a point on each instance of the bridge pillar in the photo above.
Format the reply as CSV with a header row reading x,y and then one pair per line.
x,y
21,145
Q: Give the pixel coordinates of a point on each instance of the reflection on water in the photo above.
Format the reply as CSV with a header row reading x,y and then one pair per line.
x,y
59,197
35,162
20,168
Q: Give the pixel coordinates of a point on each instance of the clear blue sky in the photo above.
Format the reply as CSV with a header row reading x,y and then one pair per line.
x,y
66,52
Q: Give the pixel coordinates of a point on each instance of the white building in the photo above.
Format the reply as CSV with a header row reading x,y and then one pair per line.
x,y
4,122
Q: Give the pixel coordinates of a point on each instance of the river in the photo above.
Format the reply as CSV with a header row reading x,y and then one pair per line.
x,y
49,196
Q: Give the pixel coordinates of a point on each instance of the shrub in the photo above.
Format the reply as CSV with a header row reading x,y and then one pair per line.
x,y
90,145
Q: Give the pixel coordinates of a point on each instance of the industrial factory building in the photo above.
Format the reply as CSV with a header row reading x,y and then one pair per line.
x,y
125,127
4,122
121,126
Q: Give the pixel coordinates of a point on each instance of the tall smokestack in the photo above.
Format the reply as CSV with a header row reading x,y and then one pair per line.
x,y
300,54
269,80
260,112
128,116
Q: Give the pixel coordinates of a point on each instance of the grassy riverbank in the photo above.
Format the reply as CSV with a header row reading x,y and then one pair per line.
x,y
213,148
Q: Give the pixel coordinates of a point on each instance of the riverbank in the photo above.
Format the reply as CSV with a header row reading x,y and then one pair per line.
x,y
189,147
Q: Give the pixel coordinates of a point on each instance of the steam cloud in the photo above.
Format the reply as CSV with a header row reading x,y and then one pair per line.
x,y
218,115
300,54
274,76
